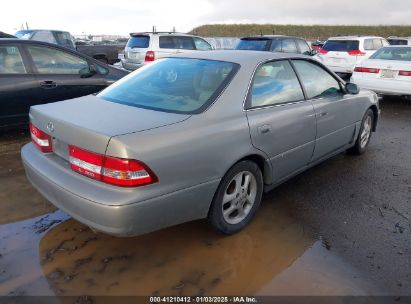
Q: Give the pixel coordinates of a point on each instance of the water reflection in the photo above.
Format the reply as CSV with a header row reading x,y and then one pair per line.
x,y
185,260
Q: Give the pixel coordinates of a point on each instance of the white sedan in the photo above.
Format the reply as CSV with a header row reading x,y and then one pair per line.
x,y
387,72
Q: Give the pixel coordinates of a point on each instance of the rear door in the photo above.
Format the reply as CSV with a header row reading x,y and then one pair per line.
x,y
58,74
282,123
334,111
17,86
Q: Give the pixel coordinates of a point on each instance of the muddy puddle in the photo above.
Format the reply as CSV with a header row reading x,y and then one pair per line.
x,y
45,252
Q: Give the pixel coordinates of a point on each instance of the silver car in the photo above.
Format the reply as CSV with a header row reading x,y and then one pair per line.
x,y
195,136
144,48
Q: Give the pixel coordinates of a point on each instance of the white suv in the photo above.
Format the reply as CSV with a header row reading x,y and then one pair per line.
x,y
341,54
143,48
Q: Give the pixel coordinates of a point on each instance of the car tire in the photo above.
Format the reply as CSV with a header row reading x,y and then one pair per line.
x,y
364,136
237,198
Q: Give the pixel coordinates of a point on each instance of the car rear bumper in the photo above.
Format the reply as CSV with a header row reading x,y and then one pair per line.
x,y
120,220
383,86
346,69
129,65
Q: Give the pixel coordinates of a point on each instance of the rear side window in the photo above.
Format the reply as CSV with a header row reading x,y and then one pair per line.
x,y
341,45
140,42
289,46
251,44
304,48
176,42
53,61
176,85
276,45
275,83
11,61
316,81
45,36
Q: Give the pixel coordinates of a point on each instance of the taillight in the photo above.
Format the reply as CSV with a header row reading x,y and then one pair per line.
x,y
150,56
40,139
404,73
111,170
356,53
366,70
322,51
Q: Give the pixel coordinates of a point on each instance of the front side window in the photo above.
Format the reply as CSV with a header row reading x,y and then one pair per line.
x,y
316,81
304,48
289,46
275,83
176,85
53,61
11,61
201,44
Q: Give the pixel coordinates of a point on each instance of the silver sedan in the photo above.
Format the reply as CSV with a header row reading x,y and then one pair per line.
x,y
194,136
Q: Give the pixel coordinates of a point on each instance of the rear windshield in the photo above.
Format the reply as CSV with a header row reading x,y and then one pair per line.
x,y
26,34
253,44
176,85
393,53
141,42
341,45
398,41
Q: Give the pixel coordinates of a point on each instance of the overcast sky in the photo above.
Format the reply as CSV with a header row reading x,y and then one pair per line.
x,y
124,16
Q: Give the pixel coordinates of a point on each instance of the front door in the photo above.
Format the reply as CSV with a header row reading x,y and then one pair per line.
x,y
334,110
282,123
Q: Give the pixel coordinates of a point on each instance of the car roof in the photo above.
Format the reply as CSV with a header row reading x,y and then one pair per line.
x,y
161,33
25,41
238,56
38,30
270,37
353,37
398,46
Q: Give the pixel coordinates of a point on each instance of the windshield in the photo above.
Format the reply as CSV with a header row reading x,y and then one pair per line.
x,y
141,42
341,45
393,53
24,34
253,44
177,85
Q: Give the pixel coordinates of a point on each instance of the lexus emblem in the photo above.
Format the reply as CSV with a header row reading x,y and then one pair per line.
x,y
50,127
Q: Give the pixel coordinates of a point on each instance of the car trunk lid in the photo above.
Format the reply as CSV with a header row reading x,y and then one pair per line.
x,y
385,69
89,122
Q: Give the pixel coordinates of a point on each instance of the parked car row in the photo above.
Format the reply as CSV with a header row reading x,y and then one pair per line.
x,y
33,72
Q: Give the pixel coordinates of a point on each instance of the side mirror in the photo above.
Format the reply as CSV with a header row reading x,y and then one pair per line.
x,y
352,88
88,71
313,52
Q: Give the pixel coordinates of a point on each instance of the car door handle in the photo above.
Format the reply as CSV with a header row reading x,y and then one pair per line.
x,y
323,114
264,129
48,84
